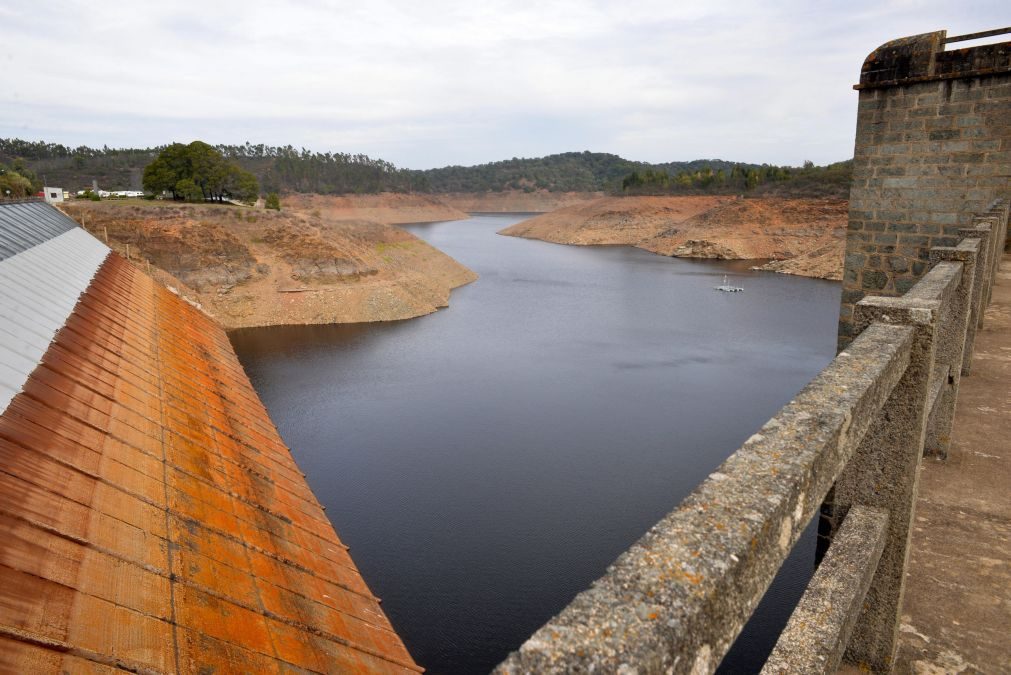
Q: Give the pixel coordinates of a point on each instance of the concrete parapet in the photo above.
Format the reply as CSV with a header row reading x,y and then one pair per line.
x,y
819,629
982,234
677,599
883,471
950,353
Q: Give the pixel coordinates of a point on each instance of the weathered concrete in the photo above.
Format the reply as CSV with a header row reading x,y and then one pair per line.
x,y
957,611
819,629
982,234
948,356
678,598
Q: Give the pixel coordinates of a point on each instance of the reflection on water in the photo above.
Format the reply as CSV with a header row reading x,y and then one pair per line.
x,y
487,462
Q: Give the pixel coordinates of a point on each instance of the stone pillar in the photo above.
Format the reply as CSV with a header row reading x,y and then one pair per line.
x,y
883,472
933,149
982,234
949,354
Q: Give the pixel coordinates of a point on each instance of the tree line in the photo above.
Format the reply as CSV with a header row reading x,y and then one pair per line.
x,y
289,169
807,180
276,168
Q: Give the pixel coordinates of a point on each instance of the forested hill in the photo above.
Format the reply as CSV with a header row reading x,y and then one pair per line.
x,y
287,169
278,169
566,172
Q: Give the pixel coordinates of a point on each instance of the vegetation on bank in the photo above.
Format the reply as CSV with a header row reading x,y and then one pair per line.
x,y
17,181
767,180
287,169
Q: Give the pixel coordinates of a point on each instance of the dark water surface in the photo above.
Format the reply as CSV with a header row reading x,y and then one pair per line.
x,y
487,462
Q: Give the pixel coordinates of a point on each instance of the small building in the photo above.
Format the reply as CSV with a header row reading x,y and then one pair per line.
x,y
53,195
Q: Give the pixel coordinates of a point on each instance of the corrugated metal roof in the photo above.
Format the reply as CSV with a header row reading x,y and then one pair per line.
x,y
39,287
152,519
27,224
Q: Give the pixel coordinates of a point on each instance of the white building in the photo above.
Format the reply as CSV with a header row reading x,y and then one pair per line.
x,y
53,195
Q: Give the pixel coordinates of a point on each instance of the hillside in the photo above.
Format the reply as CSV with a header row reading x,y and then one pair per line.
x,y
802,236
250,267
286,169
565,172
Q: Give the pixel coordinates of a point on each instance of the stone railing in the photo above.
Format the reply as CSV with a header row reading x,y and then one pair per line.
x,y
678,598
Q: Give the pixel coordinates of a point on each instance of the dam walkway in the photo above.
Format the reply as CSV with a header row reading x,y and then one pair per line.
x,y
957,607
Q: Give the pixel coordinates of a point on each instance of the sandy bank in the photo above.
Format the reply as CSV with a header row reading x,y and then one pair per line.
x,y
802,236
515,201
389,207
310,265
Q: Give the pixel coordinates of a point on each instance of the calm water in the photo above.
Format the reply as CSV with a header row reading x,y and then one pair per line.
x,y
487,462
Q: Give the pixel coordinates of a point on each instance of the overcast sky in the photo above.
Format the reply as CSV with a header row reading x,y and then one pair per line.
x,y
426,83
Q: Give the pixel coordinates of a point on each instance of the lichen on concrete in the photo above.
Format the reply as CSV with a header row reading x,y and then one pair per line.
x,y
819,629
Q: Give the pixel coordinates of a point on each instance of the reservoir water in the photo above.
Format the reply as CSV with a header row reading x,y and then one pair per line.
x,y
487,462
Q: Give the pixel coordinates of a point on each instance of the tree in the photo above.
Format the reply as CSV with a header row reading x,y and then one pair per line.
x,y
198,172
242,185
273,202
13,185
188,190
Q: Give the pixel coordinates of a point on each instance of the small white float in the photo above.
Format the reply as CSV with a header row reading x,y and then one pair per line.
x,y
727,288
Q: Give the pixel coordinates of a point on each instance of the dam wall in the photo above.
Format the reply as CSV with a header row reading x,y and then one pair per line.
x,y
927,229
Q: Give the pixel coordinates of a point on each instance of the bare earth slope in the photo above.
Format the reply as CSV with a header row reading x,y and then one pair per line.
x,y
251,267
802,236
515,201
389,208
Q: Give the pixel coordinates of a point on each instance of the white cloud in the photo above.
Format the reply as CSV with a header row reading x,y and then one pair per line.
x,y
428,84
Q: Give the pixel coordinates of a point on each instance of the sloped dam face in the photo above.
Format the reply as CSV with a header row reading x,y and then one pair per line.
x,y
487,462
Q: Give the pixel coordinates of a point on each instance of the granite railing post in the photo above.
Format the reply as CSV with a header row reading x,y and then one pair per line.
x,y
815,639
951,342
981,233
995,245
883,472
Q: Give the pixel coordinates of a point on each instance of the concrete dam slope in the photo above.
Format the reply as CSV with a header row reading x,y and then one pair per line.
x,y
152,519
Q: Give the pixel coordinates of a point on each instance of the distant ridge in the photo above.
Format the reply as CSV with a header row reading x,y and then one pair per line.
x,y
290,169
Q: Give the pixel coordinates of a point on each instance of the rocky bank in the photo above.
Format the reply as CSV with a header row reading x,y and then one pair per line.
x,y
317,261
800,236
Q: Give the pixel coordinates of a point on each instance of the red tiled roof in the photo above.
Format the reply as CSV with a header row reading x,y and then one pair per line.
x,y
151,516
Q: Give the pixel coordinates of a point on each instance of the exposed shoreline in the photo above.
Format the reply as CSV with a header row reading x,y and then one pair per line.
x,y
342,259
315,262
805,237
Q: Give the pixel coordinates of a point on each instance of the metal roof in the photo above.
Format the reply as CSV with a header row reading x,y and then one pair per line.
x,y
152,518
38,289
27,224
